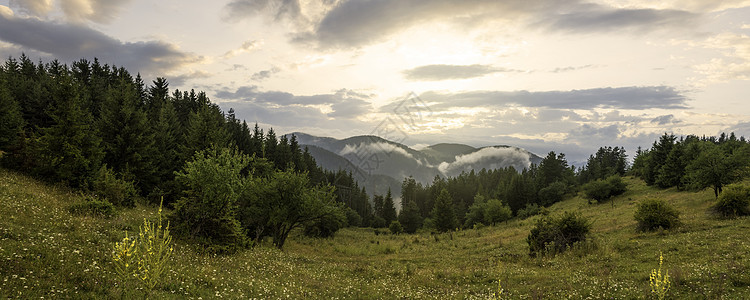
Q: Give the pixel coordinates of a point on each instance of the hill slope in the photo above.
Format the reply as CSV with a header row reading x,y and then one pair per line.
x,y
46,252
390,162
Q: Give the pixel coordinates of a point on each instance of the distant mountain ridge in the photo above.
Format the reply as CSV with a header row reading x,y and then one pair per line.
x,y
379,164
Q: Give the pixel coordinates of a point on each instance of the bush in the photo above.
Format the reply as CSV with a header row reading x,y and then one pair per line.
x,y
327,225
652,214
378,222
116,190
496,212
206,212
555,234
353,219
601,190
93,207
553,193
396,227
734,201
531,210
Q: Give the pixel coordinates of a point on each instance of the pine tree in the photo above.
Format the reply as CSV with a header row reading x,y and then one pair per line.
x,y
442,214
11,122
409,217
70,149
205,130
126,135
389,209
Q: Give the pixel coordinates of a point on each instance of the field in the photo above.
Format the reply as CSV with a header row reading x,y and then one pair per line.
x,y
45,252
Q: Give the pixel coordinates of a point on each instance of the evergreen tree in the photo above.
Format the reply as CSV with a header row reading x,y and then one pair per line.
x,y
70,149
11,123
442,214
205,129
389,209
409,217
126,136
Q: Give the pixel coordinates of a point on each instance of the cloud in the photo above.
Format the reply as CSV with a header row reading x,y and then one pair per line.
x,y
352,24
607,20
493,157
568,69
735,65
33,7
99,11
247,46
739,129
279,9
72,42
265,74
449,72
635,98
344,103
379,147
665,120
179,80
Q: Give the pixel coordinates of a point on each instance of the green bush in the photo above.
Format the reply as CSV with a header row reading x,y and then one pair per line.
x,y
378,222
734,201
601,190
353,219
652,214
531,210
556,234
396,227
496,212
93,207
206,213
116,190
553,193
327,225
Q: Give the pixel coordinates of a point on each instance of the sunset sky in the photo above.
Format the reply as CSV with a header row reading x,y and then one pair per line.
x,y
564,76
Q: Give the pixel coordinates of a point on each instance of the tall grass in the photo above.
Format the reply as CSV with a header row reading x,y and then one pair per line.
x,y
47,252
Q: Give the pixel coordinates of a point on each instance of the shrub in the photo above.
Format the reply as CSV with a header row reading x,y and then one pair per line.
x,y
652,214
555,234
353,219
734,201
531,210
327,225
396,227
206,212
553,193
601,190
378,222
116,190
93,207
496,212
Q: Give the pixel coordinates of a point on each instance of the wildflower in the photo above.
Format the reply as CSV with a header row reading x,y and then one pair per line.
x,y
659,283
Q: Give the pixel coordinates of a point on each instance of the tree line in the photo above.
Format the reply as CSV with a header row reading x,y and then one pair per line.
x,y
99,129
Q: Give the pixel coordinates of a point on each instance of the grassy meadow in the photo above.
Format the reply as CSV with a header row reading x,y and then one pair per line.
x,y
45,252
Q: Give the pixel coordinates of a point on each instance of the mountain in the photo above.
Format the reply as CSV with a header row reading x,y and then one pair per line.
x,y
379,164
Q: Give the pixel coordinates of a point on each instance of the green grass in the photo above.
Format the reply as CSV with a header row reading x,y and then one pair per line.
x,y
47,252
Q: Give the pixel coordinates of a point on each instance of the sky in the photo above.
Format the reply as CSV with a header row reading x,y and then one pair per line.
x,y
565,76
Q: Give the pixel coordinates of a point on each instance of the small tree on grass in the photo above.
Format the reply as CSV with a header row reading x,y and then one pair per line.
x,y
496,212
211,187
555,234
652,214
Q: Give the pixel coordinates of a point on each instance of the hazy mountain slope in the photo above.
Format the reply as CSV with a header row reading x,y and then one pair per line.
x,y
446,152
379,163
